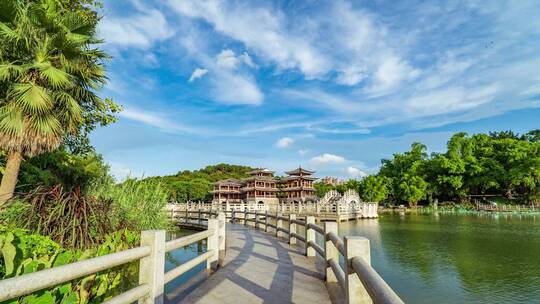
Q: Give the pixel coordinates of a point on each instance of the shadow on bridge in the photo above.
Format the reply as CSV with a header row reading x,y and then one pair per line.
x,y
257,268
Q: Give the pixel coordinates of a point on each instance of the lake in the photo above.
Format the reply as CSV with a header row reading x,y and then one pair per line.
x,y
451,258
436,258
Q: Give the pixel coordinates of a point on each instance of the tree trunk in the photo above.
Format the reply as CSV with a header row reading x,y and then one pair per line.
x,y
9,180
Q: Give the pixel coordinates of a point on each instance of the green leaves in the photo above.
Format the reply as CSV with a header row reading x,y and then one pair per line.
x,y
30,98
51,71
35,252
8,252
55,77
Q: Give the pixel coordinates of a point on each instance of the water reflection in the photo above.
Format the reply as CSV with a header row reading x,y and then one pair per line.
x,y
184,284
449,258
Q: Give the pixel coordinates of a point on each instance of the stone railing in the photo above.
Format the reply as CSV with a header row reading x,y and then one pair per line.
x,y
359,282
151,257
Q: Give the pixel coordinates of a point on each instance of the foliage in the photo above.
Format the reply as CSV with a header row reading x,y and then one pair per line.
x,y
50,71
322,188
196,185
68,217
60,167
23,253
137,204
501,163
373,188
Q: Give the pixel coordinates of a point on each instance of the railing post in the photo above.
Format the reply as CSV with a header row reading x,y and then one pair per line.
x,y
256,219
213,244
356,246
152,267
222,218
310,236
279,224
199,221
266,221
292,229
330,250
245,216
233,217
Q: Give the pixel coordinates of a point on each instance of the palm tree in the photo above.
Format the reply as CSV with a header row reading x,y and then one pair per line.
x,y
49,73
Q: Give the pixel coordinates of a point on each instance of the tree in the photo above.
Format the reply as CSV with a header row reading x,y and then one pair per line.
x,y
321,189
408,164
373,188
413,189
49,75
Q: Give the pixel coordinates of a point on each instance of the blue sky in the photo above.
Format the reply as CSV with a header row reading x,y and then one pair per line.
x,y
333,86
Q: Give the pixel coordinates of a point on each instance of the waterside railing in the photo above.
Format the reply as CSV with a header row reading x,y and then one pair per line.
x,y
359,281
151,257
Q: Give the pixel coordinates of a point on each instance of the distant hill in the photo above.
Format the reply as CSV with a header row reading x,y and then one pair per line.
x,y
196,185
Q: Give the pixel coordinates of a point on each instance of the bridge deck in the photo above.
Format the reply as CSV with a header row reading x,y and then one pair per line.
x,y
259,268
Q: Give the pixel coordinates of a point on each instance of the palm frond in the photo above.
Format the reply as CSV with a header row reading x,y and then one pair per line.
x,y
55,77
9,71
31,98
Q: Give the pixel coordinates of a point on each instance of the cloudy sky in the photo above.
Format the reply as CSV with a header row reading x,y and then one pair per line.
x,y
333,86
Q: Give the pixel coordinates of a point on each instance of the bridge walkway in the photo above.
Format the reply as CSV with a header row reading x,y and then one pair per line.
x,y
259,268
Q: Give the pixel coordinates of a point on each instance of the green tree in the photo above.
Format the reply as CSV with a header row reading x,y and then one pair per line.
x,y
402,168
374,188
412,189
49,74
322,188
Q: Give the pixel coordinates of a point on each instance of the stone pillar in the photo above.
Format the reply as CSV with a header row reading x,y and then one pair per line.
x,y
233,216
222,218
152,267
279,224
310,236
256,219
330,250
245,216
213,244
266,221
292,229
356,246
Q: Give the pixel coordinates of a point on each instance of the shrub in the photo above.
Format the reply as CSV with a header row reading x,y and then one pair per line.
x,y
138,205
67,217
25,253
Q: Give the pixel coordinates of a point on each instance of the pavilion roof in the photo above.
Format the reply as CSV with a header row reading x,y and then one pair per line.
x,y
260,170
300,171
229,181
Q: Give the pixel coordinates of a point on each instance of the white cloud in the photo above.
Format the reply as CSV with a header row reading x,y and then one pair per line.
x,y
303,152
246,59
197,73
284,142
227,59
160,120
355,172
389,74
140,30
327,158
233,88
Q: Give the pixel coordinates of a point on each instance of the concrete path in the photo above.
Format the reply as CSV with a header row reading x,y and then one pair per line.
x,y
259,268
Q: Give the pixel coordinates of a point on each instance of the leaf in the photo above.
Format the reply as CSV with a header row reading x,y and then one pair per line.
x,y
31,98
63,258
8,252
70,298
45,298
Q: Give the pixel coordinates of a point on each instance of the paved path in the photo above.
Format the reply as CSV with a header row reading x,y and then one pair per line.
x,y
259,268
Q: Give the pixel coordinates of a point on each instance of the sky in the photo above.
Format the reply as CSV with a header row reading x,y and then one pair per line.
x,y
332,86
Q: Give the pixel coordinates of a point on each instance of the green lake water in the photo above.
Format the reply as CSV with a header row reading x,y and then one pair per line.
x,y
450,258
434,258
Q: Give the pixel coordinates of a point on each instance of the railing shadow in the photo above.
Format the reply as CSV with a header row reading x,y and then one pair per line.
x,y
282,283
